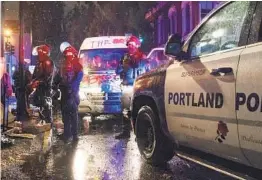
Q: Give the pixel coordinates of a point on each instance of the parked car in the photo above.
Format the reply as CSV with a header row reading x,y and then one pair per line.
x,y
156,57
209,97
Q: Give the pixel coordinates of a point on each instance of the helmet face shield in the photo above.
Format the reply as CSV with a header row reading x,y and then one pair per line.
x,y
34,52
133,40
63,46
132,44
42,50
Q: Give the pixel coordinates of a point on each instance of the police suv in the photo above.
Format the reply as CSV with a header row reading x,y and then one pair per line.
x,y
209,97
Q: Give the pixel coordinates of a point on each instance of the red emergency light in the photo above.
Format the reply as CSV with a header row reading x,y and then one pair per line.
x,y
118,41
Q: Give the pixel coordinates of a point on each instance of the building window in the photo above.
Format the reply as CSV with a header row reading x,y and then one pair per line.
x,y
205,7
163,29
166,29
155,32
186,18
172,14
159,29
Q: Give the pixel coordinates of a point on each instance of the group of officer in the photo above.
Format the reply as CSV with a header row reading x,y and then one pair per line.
x,y
47,80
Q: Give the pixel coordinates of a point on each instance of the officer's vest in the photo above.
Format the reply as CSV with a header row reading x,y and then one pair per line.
x,y
132,68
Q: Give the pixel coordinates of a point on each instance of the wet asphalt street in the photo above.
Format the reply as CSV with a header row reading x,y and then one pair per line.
x,y
99,156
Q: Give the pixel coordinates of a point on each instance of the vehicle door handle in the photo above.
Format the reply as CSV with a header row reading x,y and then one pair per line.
x,y
221,71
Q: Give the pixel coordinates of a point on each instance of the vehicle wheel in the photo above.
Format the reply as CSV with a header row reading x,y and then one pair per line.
x,y
153,145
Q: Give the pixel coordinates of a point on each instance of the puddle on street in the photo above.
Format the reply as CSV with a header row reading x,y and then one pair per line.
x,y
99,156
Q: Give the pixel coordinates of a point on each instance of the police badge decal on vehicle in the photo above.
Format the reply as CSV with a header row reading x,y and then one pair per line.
x,y
222,131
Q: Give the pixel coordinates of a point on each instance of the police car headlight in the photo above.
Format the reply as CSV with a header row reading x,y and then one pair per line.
x,y
85,71
82,95
89,90
121,86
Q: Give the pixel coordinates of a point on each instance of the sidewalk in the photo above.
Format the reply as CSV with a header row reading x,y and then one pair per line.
x,y
34,139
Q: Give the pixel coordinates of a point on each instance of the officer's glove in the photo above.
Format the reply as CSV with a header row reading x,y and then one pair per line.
x,y
55,94
125,63
48,102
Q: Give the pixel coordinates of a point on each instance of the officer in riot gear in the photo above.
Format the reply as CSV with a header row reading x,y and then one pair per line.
x,y
71,74
42,82
19,87
131,65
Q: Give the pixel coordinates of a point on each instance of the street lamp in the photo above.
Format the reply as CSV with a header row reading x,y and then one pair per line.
x,y
7,32
8,48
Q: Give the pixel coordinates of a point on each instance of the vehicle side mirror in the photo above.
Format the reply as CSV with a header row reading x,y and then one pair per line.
x,y
174,45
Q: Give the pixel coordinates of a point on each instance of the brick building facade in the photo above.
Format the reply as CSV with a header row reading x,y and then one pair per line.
x,y
177,17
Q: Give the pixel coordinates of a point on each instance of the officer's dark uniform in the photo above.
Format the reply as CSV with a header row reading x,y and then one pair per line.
x,y
43,73
21,89
129,68
69,102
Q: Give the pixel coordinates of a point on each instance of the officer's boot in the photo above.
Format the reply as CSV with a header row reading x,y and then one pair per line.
x,y
125,134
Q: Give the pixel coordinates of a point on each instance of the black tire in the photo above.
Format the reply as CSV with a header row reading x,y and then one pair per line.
x,y
153,145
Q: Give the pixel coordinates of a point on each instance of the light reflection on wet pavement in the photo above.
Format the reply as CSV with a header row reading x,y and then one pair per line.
x,y
99,156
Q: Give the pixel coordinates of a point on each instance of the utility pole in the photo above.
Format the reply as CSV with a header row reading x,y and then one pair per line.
x,y
21,100
5,112
2,29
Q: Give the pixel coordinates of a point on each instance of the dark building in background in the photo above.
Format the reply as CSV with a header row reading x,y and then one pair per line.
x,y
177,17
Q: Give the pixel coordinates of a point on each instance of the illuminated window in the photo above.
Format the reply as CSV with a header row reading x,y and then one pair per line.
x,y
186,18
163,27
160,29
205,7
173,20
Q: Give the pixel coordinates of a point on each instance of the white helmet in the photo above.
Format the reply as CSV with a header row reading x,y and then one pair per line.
x,y
63,46
34,52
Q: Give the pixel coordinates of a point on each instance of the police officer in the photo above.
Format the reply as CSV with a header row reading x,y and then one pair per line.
x,y
18,86
71,75
42,81
6,92
131,65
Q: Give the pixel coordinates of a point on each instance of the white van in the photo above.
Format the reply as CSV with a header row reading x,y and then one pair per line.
x,y
100,90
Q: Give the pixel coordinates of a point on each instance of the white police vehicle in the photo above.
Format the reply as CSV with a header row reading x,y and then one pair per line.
x,y
209,97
